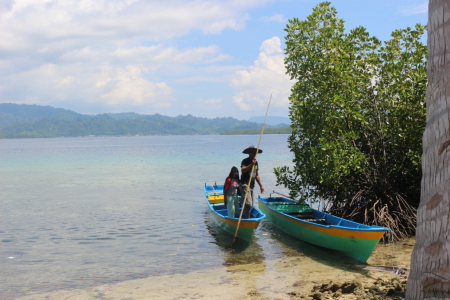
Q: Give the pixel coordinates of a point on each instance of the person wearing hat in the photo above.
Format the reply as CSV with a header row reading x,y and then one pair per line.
x,y
247,165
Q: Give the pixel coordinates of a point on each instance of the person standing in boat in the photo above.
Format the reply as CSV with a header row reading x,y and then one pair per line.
x,y
230,192
247,165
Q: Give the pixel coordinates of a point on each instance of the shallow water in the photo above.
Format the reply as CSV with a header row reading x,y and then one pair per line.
x,y
83,211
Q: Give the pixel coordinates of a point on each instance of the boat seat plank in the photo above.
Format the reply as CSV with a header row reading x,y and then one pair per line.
x,y
307,217
215,201
291,207
300,215
319,221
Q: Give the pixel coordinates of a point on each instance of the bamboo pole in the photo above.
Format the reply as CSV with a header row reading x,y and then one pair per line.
x,y
251,173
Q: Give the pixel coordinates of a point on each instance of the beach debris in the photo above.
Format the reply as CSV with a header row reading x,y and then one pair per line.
x,y
254,293
336,290
353,287
394,270
379,290
299,283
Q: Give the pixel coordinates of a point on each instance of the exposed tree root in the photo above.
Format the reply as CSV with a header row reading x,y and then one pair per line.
x,y
391,211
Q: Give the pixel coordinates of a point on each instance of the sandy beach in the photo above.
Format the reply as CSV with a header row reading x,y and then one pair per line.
x,y
294,277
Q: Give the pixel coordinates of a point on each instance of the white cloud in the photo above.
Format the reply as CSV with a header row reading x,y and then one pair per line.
x,y
58,23
211,103
106,84
415,9
266,77
127,86
275,18
110,52
154,56
109,76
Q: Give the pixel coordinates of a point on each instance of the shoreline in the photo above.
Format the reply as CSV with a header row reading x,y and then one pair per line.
x,y
294,276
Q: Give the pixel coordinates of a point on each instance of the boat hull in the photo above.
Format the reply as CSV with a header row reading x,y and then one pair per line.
x,y
246,230
354,242
247,227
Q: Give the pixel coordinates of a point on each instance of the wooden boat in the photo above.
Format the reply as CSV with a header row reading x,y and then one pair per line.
x,y
316,227
247,227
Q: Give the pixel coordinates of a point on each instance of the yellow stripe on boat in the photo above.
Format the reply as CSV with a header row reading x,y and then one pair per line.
x,y
216,201
244,223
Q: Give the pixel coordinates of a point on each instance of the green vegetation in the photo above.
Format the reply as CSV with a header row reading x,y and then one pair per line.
x,y
358,114
33,121
13,114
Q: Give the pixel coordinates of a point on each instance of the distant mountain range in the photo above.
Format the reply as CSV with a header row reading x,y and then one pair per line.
x,y
273,121
34,121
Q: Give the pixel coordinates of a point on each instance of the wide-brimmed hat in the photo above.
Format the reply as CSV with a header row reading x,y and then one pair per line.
x,y
251,149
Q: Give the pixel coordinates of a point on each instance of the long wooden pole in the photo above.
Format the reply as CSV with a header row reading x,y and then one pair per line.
x,y
251,173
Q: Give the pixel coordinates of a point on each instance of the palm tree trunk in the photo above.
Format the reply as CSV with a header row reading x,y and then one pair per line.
x,y
430,263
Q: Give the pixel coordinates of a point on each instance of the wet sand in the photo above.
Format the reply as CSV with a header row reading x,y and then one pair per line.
x,y
296,276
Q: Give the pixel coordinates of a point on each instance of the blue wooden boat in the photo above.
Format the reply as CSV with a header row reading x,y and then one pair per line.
x,y
316,227
247,227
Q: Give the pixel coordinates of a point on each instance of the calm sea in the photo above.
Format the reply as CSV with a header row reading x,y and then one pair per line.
x,y
79,212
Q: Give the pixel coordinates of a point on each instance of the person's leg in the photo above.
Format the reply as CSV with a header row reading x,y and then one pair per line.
x,y
242,189
250,201
246,203
230,206
236,206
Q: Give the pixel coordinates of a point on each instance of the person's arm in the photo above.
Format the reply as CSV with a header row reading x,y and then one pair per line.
x,y
258,180
226,187
245,169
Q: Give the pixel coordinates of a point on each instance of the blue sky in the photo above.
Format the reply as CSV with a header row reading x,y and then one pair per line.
x,y
173,57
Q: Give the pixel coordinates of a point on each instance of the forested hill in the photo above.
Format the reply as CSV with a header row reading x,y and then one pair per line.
x,y
32,121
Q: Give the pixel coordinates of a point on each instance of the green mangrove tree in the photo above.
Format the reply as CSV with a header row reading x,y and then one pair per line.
x,y
358,114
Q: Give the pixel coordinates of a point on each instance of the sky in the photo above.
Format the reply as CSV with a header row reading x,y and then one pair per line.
x,y
207,58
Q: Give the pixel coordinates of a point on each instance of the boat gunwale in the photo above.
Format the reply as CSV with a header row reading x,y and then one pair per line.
x,y
372,228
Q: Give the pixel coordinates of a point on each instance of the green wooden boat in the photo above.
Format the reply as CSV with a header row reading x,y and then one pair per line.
x,y
316,227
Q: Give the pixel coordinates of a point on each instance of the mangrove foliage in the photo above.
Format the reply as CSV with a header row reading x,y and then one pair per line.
x,y
358,115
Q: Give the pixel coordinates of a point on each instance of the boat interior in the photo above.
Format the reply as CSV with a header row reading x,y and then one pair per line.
x,y
305,212
298,210
217,204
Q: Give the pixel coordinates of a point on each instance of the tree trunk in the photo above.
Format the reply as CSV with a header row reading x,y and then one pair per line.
x,y
430,263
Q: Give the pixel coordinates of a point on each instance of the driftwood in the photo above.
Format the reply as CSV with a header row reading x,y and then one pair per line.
x,y
394,270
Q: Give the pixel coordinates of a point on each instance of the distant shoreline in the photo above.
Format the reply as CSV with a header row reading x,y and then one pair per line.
x,y
34,121
143,135
286,130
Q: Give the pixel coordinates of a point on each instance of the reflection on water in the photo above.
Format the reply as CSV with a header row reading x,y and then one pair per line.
x,y
271,243
240,252
295,247
79,212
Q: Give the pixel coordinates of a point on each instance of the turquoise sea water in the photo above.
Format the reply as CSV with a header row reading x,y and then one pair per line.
x,y
79,212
